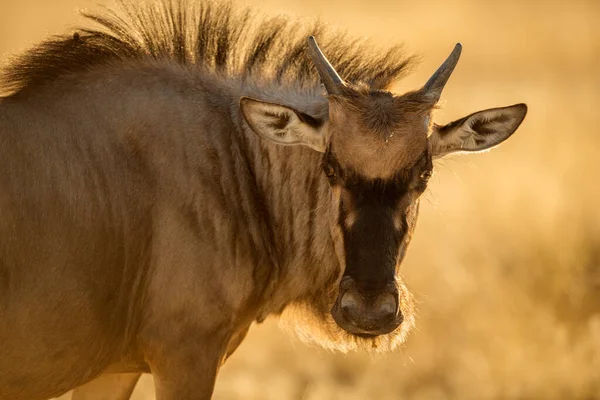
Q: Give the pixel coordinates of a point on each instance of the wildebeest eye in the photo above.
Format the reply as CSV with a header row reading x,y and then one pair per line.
x,y
425,175
329,171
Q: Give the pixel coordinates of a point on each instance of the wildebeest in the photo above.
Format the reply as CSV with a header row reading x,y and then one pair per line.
x,y
178,173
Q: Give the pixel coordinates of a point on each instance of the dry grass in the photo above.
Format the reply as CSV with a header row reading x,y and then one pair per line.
x,y
506,260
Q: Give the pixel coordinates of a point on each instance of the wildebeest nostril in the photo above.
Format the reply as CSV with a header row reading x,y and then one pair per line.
x,y
386,306
352,305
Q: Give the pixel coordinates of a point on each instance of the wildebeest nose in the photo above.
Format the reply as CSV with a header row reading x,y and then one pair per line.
x,y
369,314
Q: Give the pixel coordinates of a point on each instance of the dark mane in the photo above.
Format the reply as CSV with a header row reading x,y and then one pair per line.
x,y
204,35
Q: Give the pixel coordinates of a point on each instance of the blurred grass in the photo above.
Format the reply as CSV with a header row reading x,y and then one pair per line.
x,y
506,259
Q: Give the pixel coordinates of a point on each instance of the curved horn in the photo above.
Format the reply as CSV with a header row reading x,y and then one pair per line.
x,y
332,81
434,86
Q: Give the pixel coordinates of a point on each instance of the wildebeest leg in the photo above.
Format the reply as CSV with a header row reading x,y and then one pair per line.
x,y
188,371
107,387
197,302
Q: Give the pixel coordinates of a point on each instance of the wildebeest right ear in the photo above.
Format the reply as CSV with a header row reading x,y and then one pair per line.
x,y
283,125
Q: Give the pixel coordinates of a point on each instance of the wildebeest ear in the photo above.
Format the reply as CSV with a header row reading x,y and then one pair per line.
x,y
476,132
282,124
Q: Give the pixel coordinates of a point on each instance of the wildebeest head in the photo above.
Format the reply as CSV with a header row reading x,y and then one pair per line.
x,y
377,155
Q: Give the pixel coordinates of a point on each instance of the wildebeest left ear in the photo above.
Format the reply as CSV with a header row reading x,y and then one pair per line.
x,y
476,132
282,124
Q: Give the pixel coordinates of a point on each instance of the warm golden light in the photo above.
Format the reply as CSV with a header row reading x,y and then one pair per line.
x,y
505,262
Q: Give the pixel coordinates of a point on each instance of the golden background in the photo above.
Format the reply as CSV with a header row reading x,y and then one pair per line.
x,y
505,262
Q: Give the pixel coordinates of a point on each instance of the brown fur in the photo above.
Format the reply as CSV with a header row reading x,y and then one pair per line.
x,y
375,133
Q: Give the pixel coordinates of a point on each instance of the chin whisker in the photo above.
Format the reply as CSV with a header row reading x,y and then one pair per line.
x,y
312,323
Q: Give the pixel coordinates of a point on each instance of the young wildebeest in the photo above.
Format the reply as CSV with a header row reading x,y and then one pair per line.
x,y
179,173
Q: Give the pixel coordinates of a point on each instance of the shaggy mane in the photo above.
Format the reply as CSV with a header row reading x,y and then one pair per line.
x,y
207,35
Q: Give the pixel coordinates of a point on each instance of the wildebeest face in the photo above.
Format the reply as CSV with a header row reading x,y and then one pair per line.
x,y
378,162
374,217
377,155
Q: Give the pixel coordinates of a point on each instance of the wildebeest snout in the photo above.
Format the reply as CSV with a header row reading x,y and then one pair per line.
x,y
367,312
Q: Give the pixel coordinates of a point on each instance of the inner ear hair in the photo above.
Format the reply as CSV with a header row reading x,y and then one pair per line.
x,y
478,131
314,122
283,124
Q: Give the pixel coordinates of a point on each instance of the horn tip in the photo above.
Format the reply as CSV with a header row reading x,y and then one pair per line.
x,y
458,48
